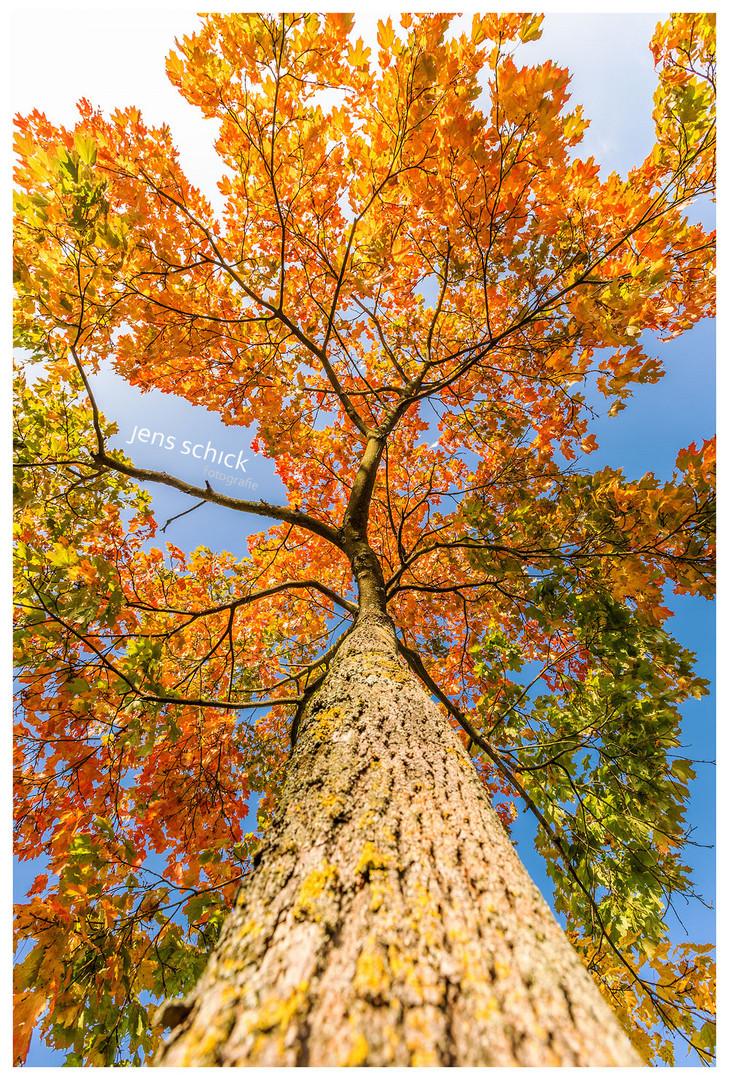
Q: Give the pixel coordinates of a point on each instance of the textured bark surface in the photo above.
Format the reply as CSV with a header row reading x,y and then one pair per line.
x,y
389,920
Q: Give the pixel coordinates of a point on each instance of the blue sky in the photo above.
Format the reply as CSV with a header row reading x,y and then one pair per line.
x,y
58,58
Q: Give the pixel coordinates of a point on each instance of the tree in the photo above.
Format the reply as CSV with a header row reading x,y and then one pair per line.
x,y
403,240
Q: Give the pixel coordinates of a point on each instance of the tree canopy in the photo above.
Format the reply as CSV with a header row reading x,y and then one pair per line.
x,y
410,242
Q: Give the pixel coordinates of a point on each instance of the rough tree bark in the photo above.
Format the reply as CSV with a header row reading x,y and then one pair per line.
x,y
389,920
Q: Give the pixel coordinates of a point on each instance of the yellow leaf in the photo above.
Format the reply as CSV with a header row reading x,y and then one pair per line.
x,y
532,28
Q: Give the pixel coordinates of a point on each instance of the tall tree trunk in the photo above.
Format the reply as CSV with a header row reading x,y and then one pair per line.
x,y
389,920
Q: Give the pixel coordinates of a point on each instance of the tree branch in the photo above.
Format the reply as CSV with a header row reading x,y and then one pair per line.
x,y
206,494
